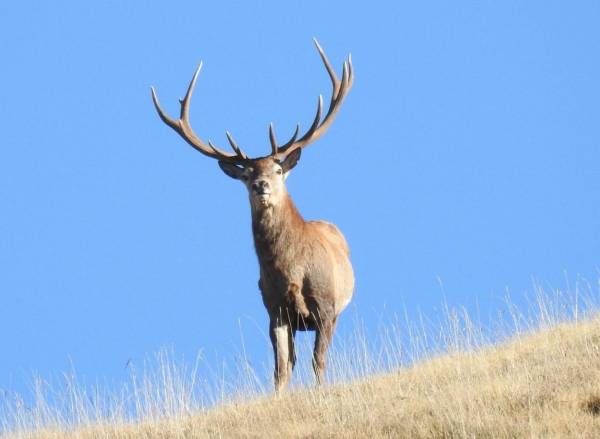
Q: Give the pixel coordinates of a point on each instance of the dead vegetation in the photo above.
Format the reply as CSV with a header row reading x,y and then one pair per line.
x,y
542,384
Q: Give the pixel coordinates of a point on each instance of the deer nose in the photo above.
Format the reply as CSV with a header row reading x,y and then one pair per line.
x,y
261,187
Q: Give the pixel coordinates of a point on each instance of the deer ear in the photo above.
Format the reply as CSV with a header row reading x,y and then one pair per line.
x,y
291,160
234,171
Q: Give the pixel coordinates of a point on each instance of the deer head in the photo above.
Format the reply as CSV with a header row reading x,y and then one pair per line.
x,y
264,177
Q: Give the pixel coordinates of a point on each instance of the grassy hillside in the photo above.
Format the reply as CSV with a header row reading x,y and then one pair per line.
x,y
545,383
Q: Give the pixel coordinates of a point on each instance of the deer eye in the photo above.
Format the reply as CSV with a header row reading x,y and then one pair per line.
x,y
279,171
244,177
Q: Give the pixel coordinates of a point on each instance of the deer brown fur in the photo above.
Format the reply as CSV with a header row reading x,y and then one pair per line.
x,y
306,277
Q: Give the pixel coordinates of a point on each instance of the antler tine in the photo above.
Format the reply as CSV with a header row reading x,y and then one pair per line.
x,y
293,138
235,147
272,139
350,69
340,89
334,80
213,147
163,116
184,129
185,102
345,80
315,123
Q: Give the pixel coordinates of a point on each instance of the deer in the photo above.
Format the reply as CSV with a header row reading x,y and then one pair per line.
x,y
306,277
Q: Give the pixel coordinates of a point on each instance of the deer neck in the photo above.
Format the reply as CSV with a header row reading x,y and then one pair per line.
x,y
276,228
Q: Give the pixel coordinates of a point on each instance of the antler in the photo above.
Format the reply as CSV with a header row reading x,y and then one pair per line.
x,y
183,128
318,127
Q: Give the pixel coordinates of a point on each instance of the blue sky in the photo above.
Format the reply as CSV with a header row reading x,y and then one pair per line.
x,y
465,161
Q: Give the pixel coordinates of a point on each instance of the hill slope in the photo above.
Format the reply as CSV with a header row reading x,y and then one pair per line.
x,y
542,385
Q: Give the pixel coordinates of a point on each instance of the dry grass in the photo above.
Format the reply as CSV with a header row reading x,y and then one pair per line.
x,y
544,383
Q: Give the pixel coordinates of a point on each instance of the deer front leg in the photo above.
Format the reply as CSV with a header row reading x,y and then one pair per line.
x,y
323,337
296,297
282,338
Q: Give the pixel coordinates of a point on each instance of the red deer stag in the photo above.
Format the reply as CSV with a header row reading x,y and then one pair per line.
x,y
306,278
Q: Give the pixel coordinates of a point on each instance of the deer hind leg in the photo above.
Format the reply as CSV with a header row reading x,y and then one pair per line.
x,y
324,334
282,338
